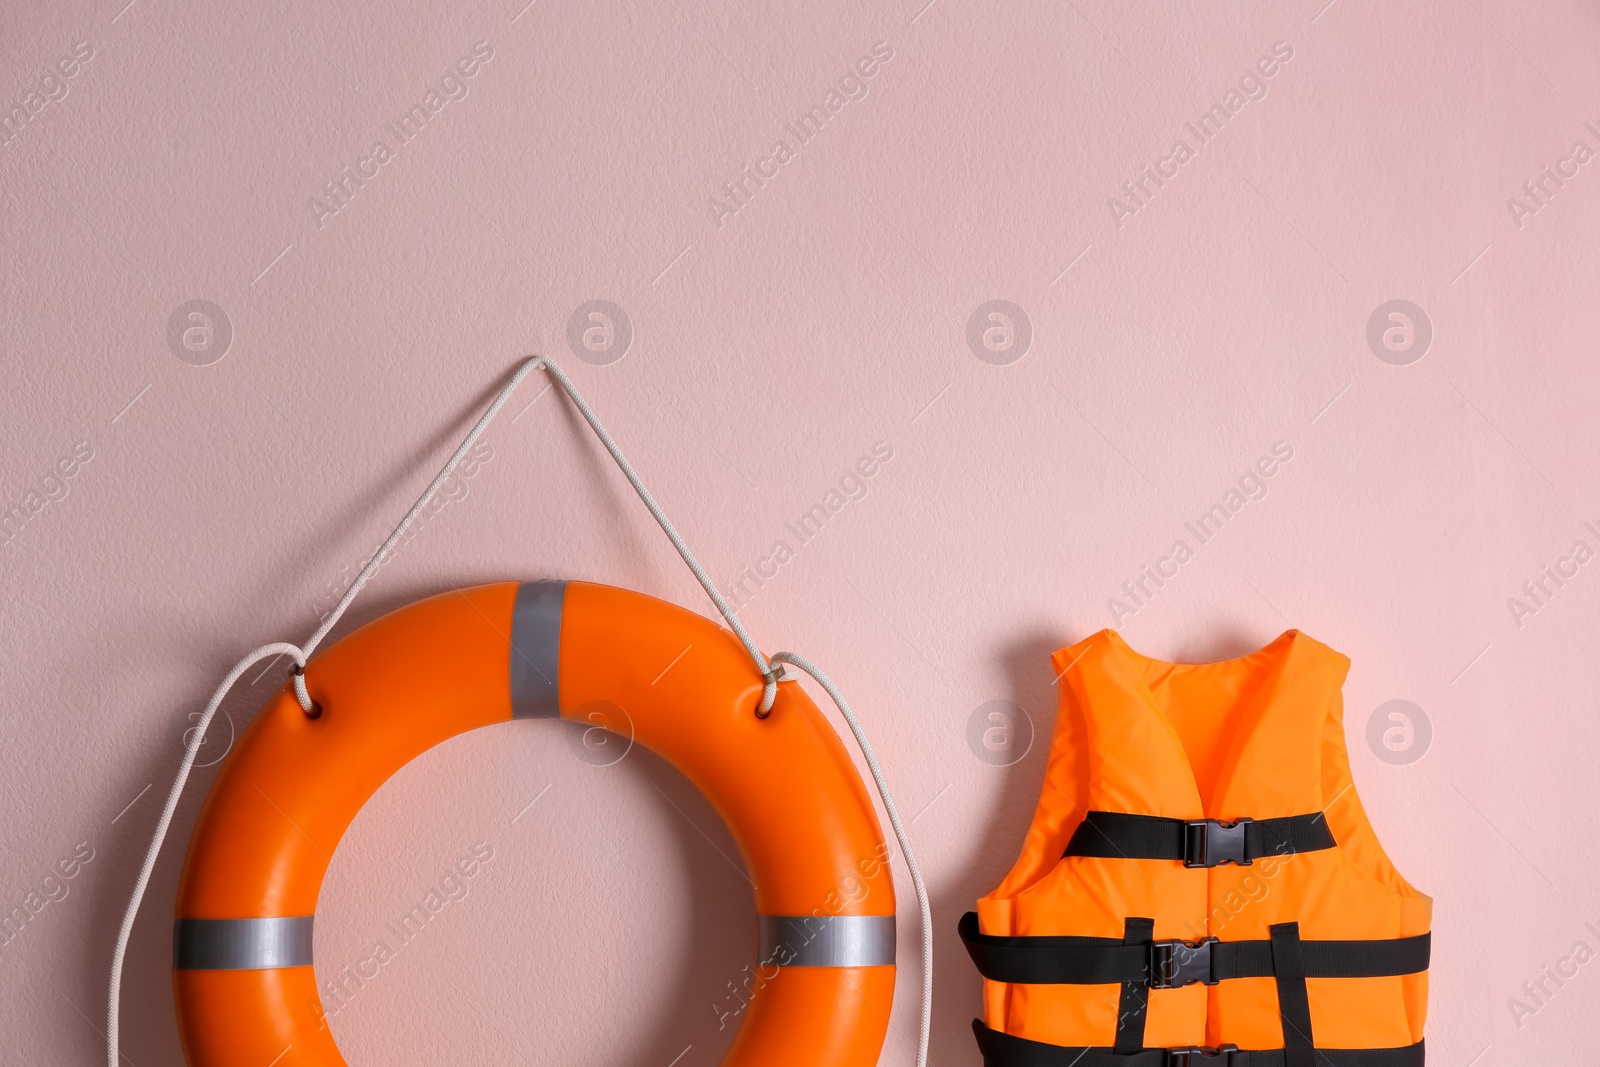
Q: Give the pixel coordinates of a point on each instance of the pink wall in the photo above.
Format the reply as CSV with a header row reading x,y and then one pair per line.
x,y
214,506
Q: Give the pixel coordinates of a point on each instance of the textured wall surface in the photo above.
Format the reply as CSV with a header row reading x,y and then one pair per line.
x,y
263,263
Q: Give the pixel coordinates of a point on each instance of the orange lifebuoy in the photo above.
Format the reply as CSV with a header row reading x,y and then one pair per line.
x,y
245,988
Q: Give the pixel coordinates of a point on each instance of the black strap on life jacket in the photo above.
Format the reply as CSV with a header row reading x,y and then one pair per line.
x,y
1294,1006
1138,964
1064,960
1005,1050
1134,1001
1197,842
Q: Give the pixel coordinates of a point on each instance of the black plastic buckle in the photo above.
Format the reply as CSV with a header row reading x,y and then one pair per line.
x,y
1180,963
1209,843
1222,1055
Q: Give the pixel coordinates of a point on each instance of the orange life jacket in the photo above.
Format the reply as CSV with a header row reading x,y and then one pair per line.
x,y
1200,884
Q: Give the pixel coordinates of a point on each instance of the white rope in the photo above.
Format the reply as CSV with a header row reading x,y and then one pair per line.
x,y
769,691
416,509
197,738
900,835
300,654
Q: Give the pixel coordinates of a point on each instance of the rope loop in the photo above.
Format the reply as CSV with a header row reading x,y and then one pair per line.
x,y
312,709
924,908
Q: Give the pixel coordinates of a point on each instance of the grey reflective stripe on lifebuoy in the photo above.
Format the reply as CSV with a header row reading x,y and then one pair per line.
x,y
536,650
827,940
242,944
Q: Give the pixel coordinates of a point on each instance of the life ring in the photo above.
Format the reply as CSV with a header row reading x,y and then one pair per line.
x,y
243,980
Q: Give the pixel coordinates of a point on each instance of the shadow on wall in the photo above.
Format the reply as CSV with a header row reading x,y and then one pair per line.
x,y
721,927
957,990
